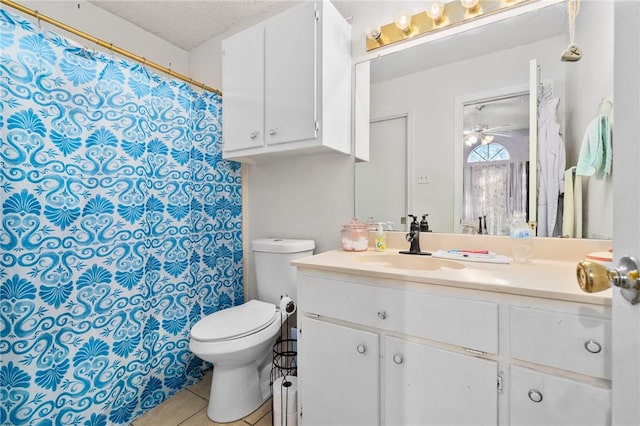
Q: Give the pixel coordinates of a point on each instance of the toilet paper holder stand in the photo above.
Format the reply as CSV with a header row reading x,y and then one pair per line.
x,y
284,365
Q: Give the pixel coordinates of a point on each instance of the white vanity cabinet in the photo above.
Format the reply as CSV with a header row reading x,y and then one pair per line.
x,y
427,385
342,375
543,398
375,354
376,350
286,85
560,366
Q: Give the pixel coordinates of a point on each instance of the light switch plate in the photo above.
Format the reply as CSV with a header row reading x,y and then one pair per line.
x,y
424,178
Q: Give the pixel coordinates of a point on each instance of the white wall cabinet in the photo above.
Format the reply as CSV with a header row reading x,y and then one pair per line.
x,y
286,85
383,351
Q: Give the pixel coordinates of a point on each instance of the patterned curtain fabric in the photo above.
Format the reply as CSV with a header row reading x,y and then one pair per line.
x,y
121,227
485,194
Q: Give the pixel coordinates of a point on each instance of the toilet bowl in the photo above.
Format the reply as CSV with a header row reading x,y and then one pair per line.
x,y
238,342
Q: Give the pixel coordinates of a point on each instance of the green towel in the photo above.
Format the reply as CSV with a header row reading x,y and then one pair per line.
x,y
596,151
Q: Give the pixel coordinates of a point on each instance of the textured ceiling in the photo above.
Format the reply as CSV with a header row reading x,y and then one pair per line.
x,y
188,23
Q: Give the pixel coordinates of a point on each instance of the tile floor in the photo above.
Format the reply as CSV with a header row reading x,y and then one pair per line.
x,y
189,408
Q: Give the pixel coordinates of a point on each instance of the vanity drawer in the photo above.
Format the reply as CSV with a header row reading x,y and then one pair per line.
x,y
571,342
462,322
538,398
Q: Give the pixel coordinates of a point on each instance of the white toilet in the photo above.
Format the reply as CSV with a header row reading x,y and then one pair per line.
x,y
238,341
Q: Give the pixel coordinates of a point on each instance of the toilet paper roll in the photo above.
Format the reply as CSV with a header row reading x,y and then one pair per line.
x,y
287,306
285,419
285,395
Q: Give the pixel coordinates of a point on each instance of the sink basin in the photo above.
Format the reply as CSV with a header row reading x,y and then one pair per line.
x,y
404,261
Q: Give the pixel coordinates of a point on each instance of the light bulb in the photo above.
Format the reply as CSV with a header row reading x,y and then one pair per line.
x,y
470,140
487,139
374,33
403,21
469,4
435,11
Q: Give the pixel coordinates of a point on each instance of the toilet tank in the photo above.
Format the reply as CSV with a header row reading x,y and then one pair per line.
x,y
274,275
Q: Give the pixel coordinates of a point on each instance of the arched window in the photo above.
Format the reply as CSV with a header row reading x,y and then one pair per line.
x,y
489,152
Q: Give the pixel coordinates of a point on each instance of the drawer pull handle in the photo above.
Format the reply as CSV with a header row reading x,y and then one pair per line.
x,y
593,346
398,359
273,131
253,135
535,395
361,349
382,315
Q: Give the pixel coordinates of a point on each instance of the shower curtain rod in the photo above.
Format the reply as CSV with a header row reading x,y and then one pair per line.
x,y
106,45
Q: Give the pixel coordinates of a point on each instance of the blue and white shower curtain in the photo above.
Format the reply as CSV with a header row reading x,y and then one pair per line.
x,y
121,227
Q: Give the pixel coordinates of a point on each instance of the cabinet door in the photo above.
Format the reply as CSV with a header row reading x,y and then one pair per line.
x,y
424,385
243,90
338,374
290,76
542,399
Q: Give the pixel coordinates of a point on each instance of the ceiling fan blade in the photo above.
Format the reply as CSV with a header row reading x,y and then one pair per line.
x,y
498,134
504,126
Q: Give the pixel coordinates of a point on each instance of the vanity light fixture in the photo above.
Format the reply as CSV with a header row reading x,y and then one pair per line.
x,y
469,4
472,8
374,33
436,17
403,22
436,12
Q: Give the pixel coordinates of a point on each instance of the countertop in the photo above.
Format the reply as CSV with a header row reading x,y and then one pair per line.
x,y
551,279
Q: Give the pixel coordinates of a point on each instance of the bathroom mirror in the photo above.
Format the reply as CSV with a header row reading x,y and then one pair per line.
x,y
422,83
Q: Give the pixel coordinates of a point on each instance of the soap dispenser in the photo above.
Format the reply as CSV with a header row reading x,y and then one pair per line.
x,y
424,225
380,238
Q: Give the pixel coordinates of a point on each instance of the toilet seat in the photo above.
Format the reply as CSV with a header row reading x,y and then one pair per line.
x,y
235,322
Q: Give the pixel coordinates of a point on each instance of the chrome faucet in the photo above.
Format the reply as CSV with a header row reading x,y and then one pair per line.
x,y
414,238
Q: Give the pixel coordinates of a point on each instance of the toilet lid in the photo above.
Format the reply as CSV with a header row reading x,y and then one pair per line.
x,y
235,322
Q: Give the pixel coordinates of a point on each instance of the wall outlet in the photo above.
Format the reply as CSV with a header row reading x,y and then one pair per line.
x,y
424,178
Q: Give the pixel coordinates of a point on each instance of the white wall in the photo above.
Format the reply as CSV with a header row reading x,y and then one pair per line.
x,y
99,23
430,97
307,197
589,80
205,63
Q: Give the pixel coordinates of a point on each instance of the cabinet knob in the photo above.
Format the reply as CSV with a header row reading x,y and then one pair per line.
x,y
535,395
593,346
254,135
398,359
382,314
273,131
361,349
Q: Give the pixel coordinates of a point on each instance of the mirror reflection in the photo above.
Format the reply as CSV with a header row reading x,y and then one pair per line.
x,y
425,83
495,160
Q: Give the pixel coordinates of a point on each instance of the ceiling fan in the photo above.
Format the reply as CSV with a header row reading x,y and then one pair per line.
x,y
483,133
